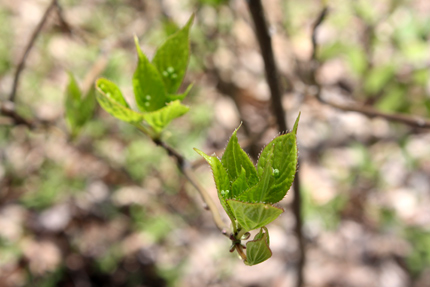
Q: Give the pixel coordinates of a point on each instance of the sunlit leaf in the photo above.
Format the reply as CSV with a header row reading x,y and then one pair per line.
x,y
149,90
171,59
161,118
112,101
276,169
234,158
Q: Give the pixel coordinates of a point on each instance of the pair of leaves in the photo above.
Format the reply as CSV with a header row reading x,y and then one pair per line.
x,y
154,83
79,109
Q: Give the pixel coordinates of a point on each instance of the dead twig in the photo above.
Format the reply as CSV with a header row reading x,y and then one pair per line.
x,y
30,44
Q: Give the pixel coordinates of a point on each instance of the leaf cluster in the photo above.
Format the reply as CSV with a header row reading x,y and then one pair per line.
x,y
155,84
248,193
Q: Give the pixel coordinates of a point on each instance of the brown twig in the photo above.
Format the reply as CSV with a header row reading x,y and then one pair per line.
x,y
8,109
30,44
412,121
317,23
185,167
272,78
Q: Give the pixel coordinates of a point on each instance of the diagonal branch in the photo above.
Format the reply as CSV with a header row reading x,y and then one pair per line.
x,y
185,167
30,44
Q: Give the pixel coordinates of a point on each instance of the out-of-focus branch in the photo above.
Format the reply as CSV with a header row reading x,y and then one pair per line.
x,y
272,78
412,121
317,23
8,109
30,44
185,167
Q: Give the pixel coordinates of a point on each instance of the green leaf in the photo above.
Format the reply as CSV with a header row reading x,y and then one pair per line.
x,y
253,215
113,102
161,118
234,158
87,106
276,169
73,101
171,59
239,185
179,96
78,110
258,250
148,86
222,181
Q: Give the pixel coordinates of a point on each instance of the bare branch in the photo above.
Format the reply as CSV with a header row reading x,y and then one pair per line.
x,y
8,109
272,78
30,44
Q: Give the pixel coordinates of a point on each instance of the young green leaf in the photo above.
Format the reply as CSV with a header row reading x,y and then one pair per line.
x,y
86,108
171,59
258,250
276,169
253,215
180,97
161,118
78,110
222,181
73,101
148,86
234,158
239,185
112,101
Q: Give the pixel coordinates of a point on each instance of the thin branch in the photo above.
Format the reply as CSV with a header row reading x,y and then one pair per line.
x,y
412,121
317,23
185,167
8,109
30,44
265,43
272,78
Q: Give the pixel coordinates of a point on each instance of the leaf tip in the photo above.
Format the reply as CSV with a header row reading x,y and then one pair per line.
x,y
296,124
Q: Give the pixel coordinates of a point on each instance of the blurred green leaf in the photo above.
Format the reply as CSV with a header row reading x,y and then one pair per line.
x,y
113,102
214,3
149,89
179,96
378,77
159,119
78,110
171,59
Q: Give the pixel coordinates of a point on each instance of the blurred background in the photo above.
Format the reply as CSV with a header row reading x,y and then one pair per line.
x,y
109,208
